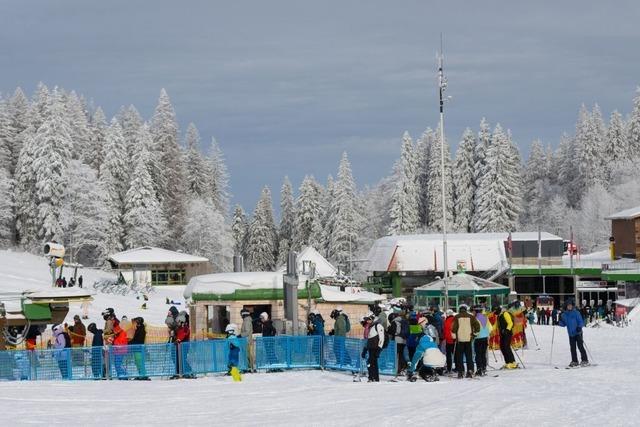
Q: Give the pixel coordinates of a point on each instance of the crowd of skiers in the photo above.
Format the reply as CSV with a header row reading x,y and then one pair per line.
x,y
428,343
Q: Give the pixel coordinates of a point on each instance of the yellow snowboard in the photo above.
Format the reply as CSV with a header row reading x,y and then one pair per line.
x,y
235,374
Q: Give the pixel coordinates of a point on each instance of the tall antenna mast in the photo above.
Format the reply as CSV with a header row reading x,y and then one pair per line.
x,y
442,85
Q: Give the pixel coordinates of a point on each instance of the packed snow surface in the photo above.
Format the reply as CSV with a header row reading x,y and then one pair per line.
x,y
538,395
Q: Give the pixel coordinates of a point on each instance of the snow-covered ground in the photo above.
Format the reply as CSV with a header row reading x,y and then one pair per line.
x,y
606,394
601,395
21,271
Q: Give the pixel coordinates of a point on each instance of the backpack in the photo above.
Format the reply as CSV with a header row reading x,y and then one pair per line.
x,y
392,329
67,340
347,324
404,329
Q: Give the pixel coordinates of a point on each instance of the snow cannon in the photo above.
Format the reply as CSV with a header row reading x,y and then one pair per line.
x,y
54,250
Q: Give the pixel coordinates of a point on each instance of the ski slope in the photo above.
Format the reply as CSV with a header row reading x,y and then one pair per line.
x,y
21,271
604,395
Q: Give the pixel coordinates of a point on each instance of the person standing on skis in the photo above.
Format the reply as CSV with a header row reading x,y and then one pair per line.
x,y
375,342
465,327
246,331
480,343
505,327
572,320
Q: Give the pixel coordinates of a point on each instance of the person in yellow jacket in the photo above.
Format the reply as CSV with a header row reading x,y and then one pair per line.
x,y
505,328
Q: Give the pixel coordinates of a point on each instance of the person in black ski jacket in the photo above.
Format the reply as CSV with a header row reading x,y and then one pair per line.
x,y
97,367
268,331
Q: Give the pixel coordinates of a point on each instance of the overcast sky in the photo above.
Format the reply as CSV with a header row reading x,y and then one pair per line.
x,y
286,86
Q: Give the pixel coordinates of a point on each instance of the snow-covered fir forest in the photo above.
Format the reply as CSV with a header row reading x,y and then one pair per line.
x,y
99,185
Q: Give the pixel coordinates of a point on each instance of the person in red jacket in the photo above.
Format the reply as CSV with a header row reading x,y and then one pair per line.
x,y
183,334
448,337
120,343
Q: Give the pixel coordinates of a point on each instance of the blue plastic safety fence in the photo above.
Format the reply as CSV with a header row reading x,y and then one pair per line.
x,y
142,361
343,353
387,361
287,352
203,357
15,365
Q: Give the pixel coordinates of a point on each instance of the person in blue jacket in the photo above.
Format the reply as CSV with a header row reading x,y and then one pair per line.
x,y
427,373
572,320
318,323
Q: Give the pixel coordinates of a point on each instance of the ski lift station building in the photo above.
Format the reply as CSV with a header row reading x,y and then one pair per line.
x,y
157,266
217,299
534,266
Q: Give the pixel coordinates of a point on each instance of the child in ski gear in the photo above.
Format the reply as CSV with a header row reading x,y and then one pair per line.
x,y
61,346
464,329
317,323
234,350
450,342
572,320
504,325
481,341
375,343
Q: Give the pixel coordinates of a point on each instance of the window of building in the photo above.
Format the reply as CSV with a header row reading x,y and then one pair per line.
x,y
168,277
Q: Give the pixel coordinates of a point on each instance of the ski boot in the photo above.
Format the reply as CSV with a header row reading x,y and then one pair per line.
x,y
574,365
460,375
585,363
469,374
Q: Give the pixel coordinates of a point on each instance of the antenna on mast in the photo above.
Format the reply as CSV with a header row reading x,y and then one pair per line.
x,y
442,85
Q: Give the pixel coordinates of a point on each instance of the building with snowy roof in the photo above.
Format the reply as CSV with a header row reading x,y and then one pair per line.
x,y
217,299
157,266
625,232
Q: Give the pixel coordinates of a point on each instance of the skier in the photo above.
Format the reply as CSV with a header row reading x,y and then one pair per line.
x,y
183,334
97,368
317,323
138,339
62,345
426,359
505,327
341,327
78,333
171,323
572,320
375,342
246,331
399,330
234,351
481,341
450,342
465,327
268,330
80,281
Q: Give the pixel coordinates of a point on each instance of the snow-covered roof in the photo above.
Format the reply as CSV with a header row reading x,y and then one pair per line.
x,y
423,252
626,214
628,302
464,282
151,255
227,283
323,267
350,294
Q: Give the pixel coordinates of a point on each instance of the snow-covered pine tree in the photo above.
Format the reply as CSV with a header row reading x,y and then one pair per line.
x,y
144,223
592,230
7,216
239,231
423,160
78,126
480,153
345,218
6,136
130,121
207,234
84,215
287,218
308,212
377,206
616,147
218,177
38,107
499,191
170,185
19,113
536,187
196,171
262,244
322,229
405,214
464,182
555,216
26,203
435,186
113,178
52,153
95,155
633,127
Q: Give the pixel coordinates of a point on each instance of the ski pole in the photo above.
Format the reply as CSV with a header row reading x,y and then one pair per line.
x,y
534,337
553,334
518,356
588,351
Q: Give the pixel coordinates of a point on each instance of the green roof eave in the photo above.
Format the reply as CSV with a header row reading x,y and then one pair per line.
x,y
256,294
630,275
454,292
555,271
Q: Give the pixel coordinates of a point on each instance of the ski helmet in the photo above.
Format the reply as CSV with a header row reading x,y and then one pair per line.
x,y
264,316
244,313
231,329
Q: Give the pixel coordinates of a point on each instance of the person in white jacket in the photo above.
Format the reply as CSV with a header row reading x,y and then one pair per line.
x,y
375,342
